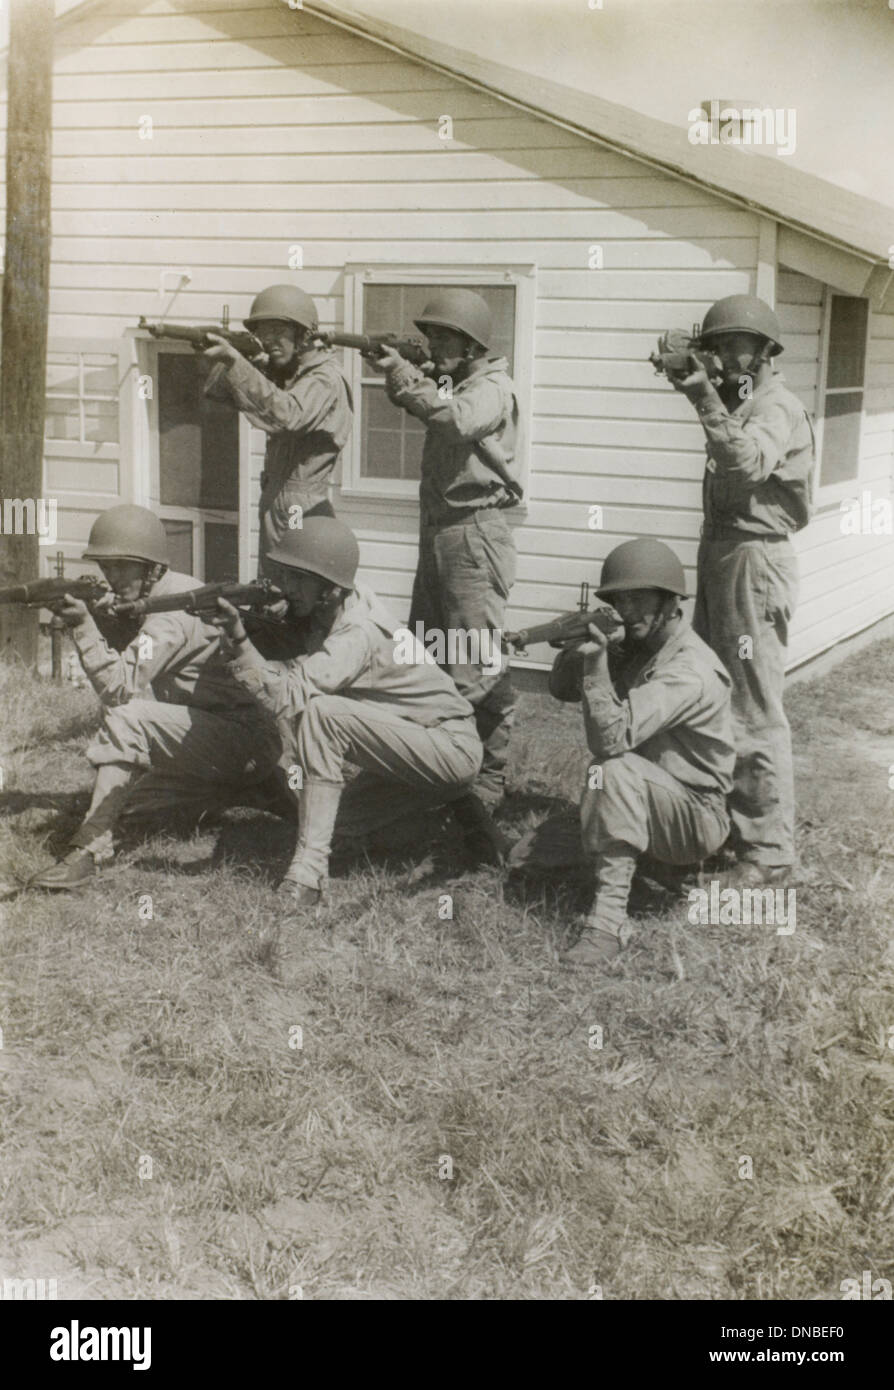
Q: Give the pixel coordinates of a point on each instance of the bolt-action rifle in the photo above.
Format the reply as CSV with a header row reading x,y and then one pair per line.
x,y
45,593
203,601
371,344
676,347
244,342
564,630
277,636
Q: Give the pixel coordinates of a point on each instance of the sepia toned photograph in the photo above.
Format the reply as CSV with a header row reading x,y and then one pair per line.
x,y
447,660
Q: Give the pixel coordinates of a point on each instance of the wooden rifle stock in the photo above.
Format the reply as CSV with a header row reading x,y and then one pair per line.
x,y
566,628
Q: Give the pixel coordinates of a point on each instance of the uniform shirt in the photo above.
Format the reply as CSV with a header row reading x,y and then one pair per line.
x,y
673,709
175,658
759,468
483,407
307,422
354,658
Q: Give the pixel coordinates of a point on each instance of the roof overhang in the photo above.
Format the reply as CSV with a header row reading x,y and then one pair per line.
x,y
859,228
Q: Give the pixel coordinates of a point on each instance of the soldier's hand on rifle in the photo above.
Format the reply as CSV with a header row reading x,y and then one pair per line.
x,y
695,385
72,611
229,620
388,359
220,350
596,643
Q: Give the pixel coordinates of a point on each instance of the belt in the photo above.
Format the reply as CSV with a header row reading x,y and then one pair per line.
x,y
461,516
738,533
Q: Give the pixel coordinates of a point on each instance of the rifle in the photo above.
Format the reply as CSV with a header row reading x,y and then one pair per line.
x,y
566,629
44,593
203,601
674,350
244,342
370,344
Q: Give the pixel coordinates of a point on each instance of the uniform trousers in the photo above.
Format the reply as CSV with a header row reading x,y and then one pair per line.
x,y
463,578
747,592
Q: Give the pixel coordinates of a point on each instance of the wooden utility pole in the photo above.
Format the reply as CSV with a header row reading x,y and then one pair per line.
x,y
26,289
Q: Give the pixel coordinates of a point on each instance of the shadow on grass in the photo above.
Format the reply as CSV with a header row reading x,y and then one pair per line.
x,y
68,803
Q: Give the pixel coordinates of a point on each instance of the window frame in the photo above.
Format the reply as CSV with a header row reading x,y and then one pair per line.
x,y
829,495
358,275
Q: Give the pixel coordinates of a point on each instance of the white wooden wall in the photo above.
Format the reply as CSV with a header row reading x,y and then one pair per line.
x,y
847,581
271,128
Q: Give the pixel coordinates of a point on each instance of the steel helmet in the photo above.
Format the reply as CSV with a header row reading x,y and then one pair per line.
x,y
459,309
743,313
283,302
642,564
128,533
323,545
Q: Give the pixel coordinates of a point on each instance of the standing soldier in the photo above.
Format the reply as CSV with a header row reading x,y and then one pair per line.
x,y
169,707
300,399
466,565
349,698
757,491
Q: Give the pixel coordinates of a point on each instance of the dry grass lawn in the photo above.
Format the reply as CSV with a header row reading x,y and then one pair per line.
x,y
446,1129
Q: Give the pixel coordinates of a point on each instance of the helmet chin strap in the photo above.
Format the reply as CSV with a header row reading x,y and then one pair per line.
x,y
666,613
758,357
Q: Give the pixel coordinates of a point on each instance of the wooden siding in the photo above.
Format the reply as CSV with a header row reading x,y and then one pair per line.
x,y
271,128
847,581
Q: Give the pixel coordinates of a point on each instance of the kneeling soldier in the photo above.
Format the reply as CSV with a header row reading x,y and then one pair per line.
x,y
657,719
168,703
349,699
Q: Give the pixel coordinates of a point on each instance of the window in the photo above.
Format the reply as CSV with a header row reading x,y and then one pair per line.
x,y
198,471
385,454
82,398
841,412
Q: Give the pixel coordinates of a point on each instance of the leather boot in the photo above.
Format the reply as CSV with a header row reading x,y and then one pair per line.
x,y
317,810
484,839
604,925
91,844
76,870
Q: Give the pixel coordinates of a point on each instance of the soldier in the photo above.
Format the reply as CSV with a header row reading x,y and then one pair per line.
x,y
350,699
656,708
757,491
466,564
300,399
168,703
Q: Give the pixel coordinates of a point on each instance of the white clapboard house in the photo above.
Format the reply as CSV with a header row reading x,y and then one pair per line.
x,y
206,148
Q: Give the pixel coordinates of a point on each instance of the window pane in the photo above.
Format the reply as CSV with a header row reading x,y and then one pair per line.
x,y
391,446
179,534
101,422
221,551
198,439
101,375
847,341
63,419
62,374
841,438
381,454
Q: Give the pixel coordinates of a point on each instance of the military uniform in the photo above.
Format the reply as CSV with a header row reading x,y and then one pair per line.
x,y
350,700
661,737
757,492
466,566
307,421
171,710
